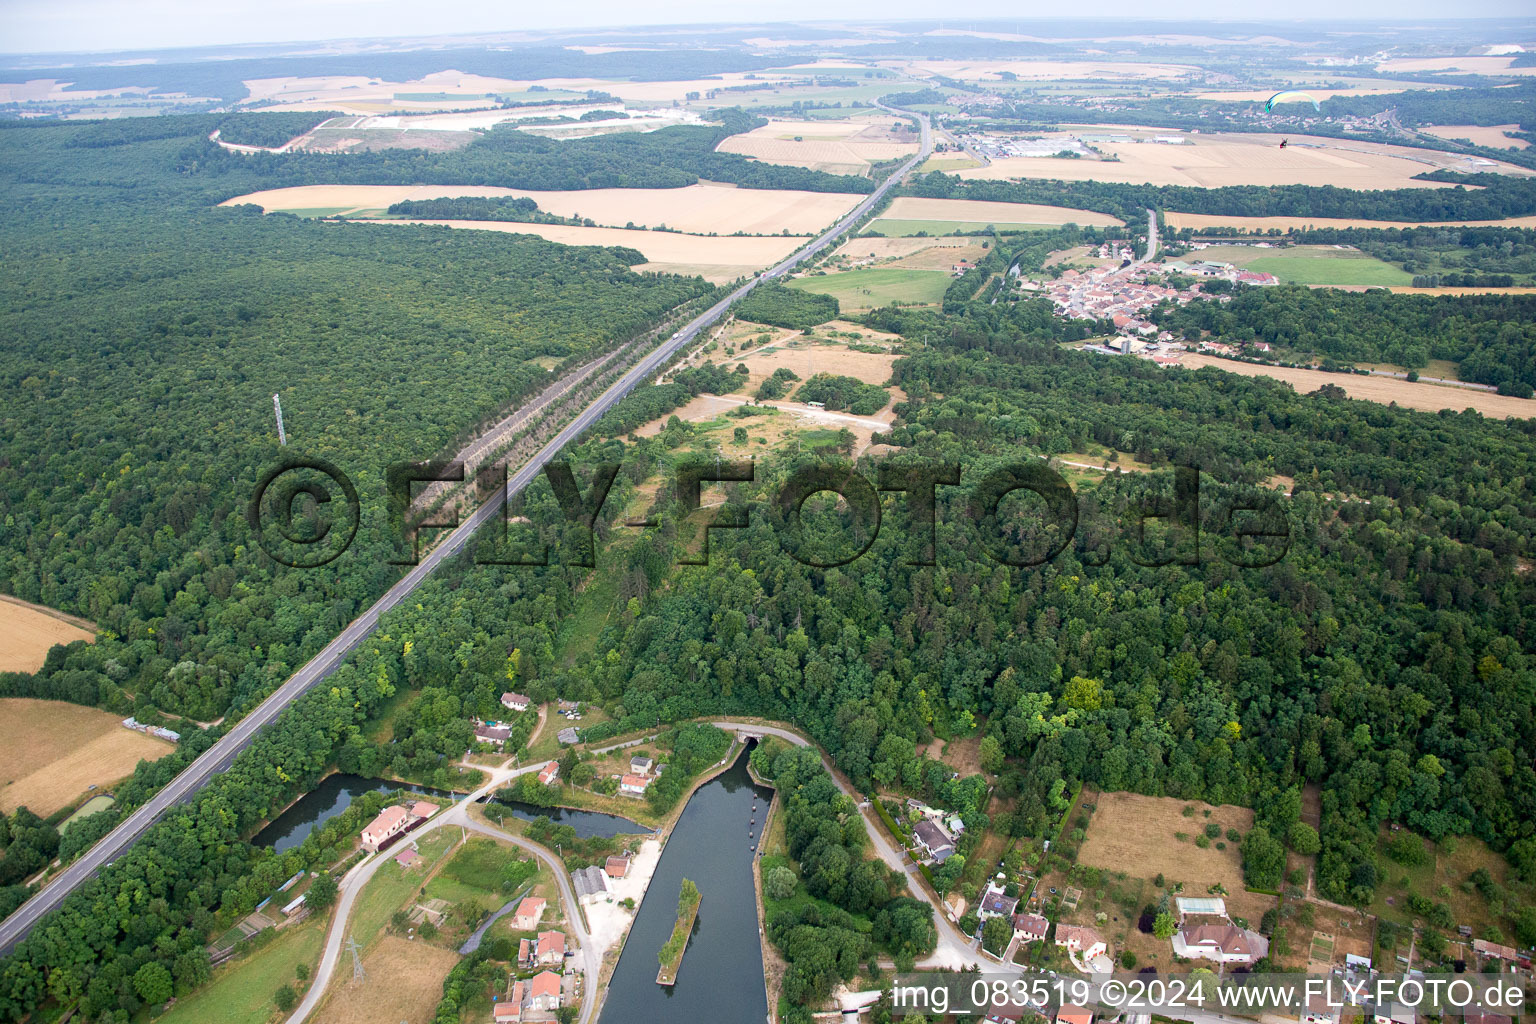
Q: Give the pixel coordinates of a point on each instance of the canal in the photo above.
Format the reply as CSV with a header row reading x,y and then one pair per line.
x,y
721,980
336,792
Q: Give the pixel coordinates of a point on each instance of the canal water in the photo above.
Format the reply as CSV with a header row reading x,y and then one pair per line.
x,y
335,794
721,980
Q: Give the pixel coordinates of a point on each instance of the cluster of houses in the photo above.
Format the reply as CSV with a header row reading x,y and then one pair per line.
x,y
937,833
1207,933
1118,294
539,994
394,821
496,733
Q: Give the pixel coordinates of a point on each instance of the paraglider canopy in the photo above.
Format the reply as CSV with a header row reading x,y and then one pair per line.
x,y
1290,96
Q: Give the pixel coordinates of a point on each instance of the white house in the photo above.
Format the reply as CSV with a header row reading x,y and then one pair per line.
x,y
1222,943
1080,939
514,701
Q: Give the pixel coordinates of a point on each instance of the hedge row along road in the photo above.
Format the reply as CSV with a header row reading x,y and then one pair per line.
x,y
218,757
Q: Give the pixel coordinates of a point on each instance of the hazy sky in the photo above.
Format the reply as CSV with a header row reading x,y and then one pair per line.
x,y
60,25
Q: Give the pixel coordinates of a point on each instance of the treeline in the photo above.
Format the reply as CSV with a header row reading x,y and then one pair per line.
x,y
1492,337
520,209
863,908
773,303
1494,197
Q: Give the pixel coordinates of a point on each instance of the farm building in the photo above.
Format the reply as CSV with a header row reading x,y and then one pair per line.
x,y
511,1011
1484,948
617,867
590,883
568,736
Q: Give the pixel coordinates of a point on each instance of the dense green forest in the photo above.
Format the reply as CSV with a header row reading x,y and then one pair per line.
x,y
1495,197
521,210
146,333
1386,657
1492,337
772,303
666,158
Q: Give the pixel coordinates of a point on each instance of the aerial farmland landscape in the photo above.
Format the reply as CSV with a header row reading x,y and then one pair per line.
x,y
696,513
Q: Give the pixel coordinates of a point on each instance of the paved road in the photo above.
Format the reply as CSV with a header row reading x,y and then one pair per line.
x,y
1151,237
955,950
589,958
218,757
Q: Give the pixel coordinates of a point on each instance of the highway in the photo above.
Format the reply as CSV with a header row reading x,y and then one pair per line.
x,y
218,757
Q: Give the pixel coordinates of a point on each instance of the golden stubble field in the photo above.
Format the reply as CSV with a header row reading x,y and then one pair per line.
x,y
27,631
1218,160
1483,135
1410,394
699,209
980,211
1137,834
55,750
837,147
1208,222
404,982
717,259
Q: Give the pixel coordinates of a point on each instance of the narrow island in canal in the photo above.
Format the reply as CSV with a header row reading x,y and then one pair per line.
x,y
671,955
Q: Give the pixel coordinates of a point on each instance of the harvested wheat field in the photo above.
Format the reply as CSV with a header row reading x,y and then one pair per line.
x,y
837,147
701,208
882,248
1409,394
56,750
1214,161
27,631
1374,88
1465,64
983,212
1210,222
1056,70
727,258
1480,135
808,360
404,983
1139,835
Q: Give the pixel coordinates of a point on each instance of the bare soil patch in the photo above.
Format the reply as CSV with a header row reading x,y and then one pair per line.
x,y
404,983
806,360
56,750
1412,395
1138,835
28,631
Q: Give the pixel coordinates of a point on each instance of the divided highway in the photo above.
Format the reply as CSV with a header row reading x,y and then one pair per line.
x,y
218,757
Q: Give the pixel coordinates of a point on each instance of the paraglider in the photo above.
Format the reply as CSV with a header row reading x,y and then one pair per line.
x,y
1284,143
1290,96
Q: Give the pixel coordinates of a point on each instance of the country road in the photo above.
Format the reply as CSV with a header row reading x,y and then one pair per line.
x,y
352,884
218,757
955,950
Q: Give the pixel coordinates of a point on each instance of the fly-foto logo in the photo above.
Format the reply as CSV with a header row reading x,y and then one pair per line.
x,y
305,513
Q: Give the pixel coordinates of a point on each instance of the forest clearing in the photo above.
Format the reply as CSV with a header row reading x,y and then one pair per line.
x,y
27,631
56,750
1140,835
